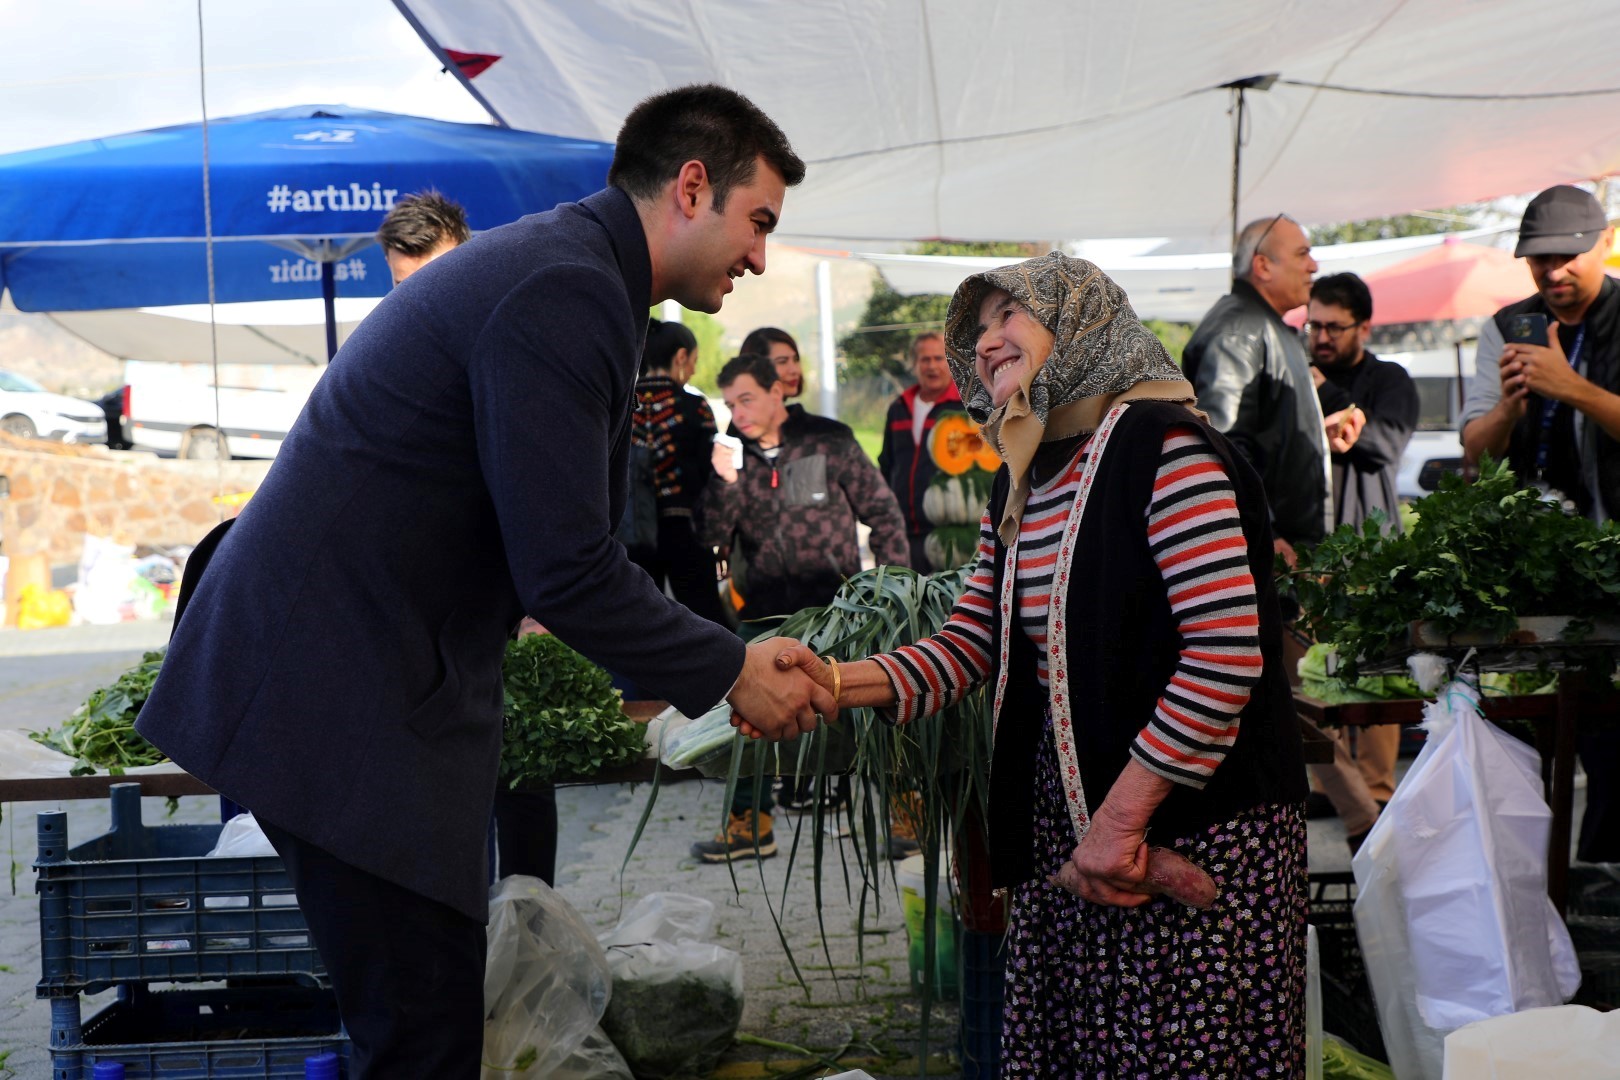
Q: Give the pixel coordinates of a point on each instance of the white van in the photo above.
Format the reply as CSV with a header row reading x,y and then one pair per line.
x,y
1442,377
171,407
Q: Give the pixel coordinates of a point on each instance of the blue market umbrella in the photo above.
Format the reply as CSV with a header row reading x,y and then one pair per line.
x,y
296,195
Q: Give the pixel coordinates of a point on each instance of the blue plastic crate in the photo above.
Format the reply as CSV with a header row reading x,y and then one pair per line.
x,y
245,1034
984,963
145,904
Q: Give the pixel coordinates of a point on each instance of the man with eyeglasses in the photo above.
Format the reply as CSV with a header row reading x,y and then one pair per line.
x,y
1254,379
1371,408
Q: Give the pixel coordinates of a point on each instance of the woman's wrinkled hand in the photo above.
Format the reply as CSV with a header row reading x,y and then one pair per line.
x,y
1165,873
804,658
1109,866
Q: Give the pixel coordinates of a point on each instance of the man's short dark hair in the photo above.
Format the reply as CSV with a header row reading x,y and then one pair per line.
x,y
760,367
1347,291
760,341
421,222
706,123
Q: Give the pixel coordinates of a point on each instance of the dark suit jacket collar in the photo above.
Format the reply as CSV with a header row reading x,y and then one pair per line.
x,y
618,216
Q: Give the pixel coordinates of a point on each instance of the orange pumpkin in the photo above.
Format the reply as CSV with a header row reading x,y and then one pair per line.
x,y
957,445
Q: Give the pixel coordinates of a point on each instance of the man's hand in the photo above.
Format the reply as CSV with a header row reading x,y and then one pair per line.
x,y
1279,546
1542,369
774,703
1344,428
721,458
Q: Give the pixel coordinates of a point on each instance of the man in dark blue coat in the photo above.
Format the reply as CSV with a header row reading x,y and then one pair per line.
x,y
461,464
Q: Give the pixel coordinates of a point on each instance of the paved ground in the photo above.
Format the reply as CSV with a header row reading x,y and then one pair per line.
x,y
861,1003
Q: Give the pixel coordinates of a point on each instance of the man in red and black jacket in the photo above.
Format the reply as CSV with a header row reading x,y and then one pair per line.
x,y
905,461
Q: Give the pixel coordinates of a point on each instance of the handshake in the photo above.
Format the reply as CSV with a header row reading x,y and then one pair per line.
x,y
784,691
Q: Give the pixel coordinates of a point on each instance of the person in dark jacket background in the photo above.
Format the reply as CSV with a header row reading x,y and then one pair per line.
x,y
905,460
1370,406
678,427
1254,379
1372,409
789,516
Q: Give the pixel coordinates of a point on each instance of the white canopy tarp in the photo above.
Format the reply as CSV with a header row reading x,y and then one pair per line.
x,y
1046,119
1177,288
270,332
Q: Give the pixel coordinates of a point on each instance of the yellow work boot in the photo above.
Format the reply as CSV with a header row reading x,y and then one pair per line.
x,y
905,815
748,835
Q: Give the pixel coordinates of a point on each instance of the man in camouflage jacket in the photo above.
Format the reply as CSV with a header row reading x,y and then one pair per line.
x,y
789,513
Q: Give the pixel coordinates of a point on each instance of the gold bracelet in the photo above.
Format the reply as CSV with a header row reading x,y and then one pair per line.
x,y
838,678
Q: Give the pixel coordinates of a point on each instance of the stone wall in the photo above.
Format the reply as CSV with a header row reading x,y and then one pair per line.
x,y
58,493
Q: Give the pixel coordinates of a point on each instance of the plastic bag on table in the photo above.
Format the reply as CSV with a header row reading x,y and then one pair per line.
x,y
594,1059
689,741
677,1001
1452,906
1565,1040
546,981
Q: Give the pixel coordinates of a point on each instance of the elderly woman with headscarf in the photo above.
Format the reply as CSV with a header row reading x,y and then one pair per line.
x,y
1121,610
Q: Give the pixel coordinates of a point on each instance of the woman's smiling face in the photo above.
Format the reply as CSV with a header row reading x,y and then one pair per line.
x,y
1012,343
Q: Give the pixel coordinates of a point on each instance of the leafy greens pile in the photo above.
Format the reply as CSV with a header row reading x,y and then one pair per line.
x,y
101,733
1479,557
563,716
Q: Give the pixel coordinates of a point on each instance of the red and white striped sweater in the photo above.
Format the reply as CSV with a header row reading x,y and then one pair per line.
x,y
1193,530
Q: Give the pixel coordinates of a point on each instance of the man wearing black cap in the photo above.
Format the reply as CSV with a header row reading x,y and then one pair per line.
x,y
1553,410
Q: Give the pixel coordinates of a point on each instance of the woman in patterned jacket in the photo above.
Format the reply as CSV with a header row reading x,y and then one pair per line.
x,y
1122,613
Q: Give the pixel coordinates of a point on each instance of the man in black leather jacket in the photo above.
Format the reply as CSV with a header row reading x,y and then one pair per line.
x,y
1253,378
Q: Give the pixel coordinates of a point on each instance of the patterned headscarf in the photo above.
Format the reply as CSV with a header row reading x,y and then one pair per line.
x,y
1101,354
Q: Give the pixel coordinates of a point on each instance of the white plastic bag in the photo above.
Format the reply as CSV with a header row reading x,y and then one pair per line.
x,y
1415,1050
106,580
677,1001
1452,906
241,836
546,981
1567,1040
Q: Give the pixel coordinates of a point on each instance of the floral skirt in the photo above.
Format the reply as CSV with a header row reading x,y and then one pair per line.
x,y
1110,993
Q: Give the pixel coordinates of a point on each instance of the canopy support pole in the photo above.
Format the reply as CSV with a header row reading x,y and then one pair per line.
x,y
828,350
329,302
1240,107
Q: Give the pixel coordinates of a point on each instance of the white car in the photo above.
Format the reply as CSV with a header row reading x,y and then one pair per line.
x,y
31,411
1441,377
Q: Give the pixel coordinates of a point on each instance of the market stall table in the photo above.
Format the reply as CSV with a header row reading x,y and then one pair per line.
x,y
22,780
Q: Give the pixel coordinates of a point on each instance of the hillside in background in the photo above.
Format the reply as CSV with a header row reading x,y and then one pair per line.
x,y
34,346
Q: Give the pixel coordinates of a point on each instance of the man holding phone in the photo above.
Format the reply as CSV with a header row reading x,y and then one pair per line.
x,y
1546,393
1546,389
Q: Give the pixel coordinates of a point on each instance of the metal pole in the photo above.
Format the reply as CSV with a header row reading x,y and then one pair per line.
x,y
1237,171
829,356
329,302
